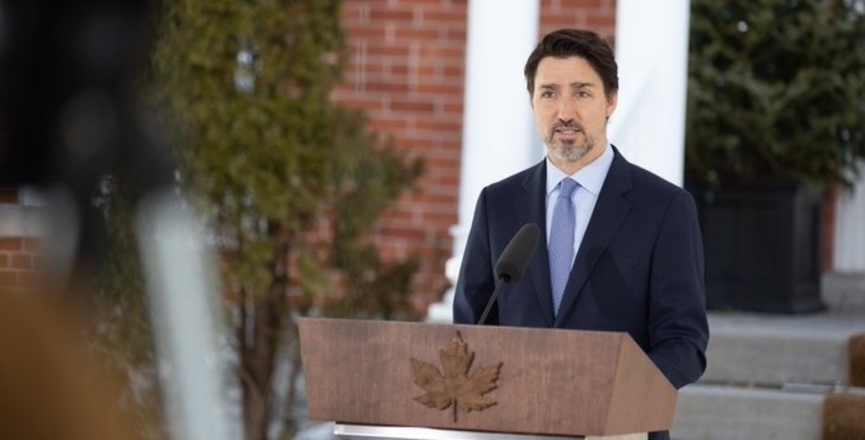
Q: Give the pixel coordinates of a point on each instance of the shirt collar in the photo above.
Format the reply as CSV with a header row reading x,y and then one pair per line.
x,y
590,177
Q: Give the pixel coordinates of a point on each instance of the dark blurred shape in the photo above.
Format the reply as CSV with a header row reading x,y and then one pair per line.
x,y
68,111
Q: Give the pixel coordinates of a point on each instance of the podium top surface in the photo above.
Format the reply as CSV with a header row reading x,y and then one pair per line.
x,y
398,432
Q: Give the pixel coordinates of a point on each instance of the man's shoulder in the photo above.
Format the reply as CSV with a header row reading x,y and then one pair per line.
x,y
645,180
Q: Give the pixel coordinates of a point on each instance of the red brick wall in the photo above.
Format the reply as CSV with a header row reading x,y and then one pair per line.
x,y
21,259
406,69
596,15
18,262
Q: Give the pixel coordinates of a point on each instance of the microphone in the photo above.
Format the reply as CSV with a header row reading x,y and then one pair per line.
x,y
513,262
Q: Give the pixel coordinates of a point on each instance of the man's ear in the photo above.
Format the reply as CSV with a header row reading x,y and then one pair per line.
x,y
612,100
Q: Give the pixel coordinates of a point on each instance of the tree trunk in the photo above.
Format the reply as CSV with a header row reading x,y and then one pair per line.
x,y
258,333
289,421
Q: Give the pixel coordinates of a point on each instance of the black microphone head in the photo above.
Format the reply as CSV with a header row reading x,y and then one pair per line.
x,y
515,258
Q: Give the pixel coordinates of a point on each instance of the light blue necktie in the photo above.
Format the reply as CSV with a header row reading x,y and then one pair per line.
x,y
561,245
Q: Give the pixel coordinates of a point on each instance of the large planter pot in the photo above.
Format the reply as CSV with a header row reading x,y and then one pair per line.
x,y
762,244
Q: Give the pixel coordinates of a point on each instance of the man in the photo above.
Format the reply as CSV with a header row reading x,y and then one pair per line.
x,y
623,251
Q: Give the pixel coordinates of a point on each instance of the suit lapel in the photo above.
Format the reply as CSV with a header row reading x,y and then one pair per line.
x,y
610,211
531,204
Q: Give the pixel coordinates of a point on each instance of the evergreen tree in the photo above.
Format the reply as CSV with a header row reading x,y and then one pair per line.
x,y
290,182
775,90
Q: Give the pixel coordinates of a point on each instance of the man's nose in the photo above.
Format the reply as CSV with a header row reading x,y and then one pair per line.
x,y
567,110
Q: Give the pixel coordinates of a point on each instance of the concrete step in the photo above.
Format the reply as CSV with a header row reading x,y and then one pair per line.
x,y
711,412
768,375
843,290
760,349
715,412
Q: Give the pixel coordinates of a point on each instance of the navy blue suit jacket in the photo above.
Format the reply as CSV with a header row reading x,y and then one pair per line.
x,y
639,268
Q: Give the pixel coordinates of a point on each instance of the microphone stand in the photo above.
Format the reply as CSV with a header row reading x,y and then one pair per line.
x,y
500,282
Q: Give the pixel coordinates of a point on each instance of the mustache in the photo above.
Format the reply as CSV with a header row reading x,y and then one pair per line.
x,y
567,124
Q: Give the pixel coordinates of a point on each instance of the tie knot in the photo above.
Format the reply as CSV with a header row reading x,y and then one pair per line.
x,y
567,187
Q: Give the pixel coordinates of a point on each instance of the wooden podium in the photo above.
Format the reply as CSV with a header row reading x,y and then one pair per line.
x,y
481,379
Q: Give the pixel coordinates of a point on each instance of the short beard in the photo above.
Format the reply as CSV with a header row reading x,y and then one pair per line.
x,y
569,151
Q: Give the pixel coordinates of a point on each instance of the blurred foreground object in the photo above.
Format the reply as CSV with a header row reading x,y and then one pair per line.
x,y
69,74
49,390
182,309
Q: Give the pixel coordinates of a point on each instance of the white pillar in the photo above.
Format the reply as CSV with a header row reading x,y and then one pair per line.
x,y
498,131
652,52
849,253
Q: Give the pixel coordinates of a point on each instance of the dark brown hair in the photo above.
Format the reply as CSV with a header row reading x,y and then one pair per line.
x,y
588,45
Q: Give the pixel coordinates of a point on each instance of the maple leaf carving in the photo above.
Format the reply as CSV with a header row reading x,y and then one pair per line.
x,y
454,387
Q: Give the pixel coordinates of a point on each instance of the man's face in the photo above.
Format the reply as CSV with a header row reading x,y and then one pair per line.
x,y
571,111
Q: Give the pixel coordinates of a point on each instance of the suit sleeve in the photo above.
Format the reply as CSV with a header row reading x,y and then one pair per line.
x,y
476,280
678,329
